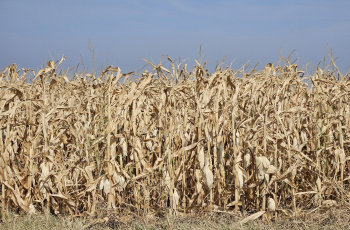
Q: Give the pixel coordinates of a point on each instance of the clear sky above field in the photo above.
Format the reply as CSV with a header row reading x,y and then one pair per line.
x,y
123,31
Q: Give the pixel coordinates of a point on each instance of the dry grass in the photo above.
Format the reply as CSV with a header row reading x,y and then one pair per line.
x,y
175,141
39,222
326,219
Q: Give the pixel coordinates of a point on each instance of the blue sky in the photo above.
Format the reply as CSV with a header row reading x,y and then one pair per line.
x,y
122,32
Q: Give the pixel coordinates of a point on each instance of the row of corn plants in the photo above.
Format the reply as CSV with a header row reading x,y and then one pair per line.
x,y
174,140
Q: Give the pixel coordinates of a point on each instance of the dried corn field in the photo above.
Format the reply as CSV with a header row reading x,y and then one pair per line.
x,y
174,140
